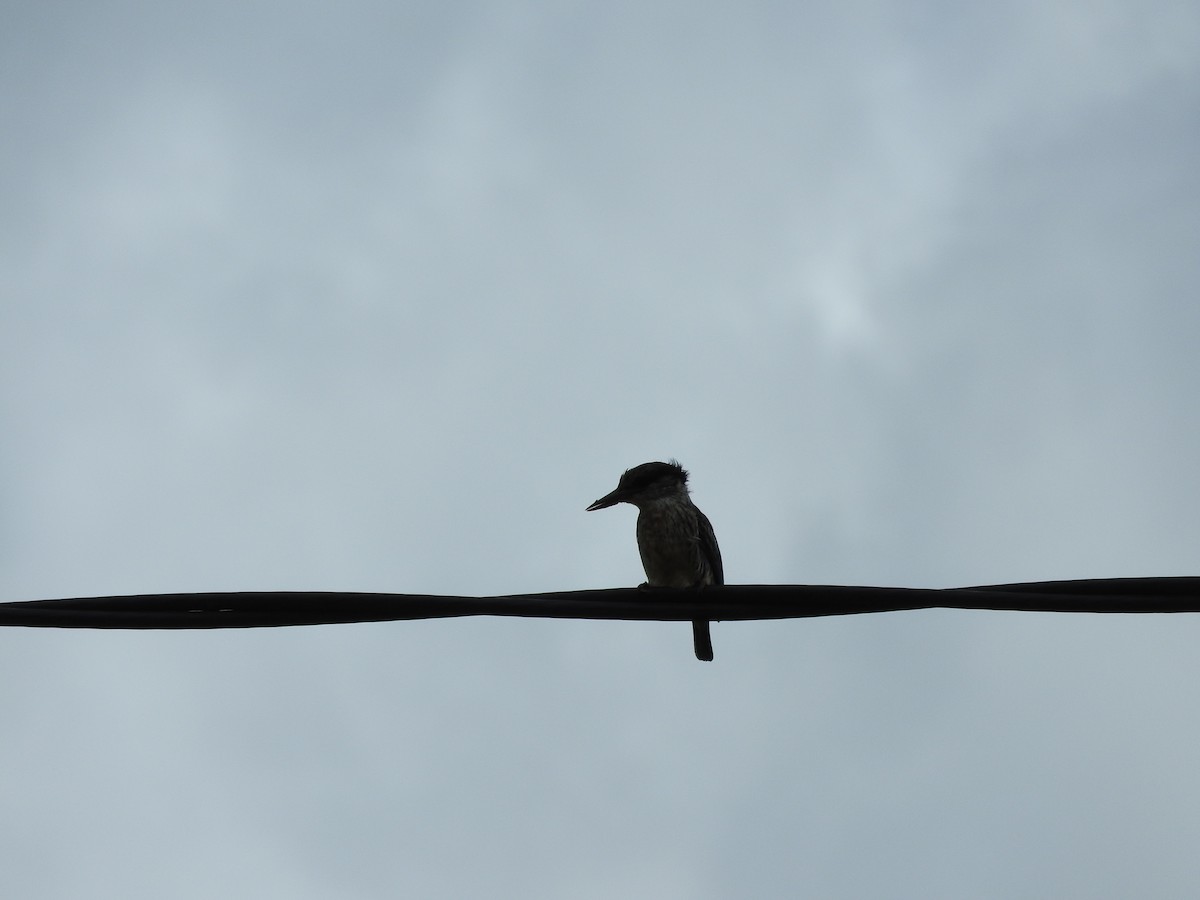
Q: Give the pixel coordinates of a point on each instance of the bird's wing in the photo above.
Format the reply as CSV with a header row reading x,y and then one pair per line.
x,y
709,549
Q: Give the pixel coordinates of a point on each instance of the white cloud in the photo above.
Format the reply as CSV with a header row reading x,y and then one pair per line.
x,y
380,299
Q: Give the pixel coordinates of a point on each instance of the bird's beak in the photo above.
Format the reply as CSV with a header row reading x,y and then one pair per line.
x,y
607,500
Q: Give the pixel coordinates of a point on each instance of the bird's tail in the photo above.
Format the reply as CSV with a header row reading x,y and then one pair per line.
x,y
702,640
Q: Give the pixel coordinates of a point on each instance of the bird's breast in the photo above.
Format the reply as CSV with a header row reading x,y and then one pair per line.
x,y
668,542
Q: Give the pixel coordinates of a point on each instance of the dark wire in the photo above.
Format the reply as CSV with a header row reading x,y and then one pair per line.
x,y
726,603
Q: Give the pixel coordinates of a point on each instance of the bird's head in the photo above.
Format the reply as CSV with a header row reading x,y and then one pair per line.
x,y
646,483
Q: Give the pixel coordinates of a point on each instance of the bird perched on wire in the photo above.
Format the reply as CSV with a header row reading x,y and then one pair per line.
x,y
676,541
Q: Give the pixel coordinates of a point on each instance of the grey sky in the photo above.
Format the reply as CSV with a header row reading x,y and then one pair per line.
x,y
365,297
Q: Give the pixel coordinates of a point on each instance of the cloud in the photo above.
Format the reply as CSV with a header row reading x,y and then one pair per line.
x,y
380,299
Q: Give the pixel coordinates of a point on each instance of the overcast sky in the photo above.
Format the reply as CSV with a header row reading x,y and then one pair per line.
x,y
378,296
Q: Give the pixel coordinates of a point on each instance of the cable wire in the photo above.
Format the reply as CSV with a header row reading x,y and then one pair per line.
x,y
745,602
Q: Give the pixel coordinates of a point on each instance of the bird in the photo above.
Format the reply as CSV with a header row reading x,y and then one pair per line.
x,y
675,540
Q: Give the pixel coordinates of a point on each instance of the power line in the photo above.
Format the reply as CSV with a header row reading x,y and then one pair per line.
x,y
261,609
